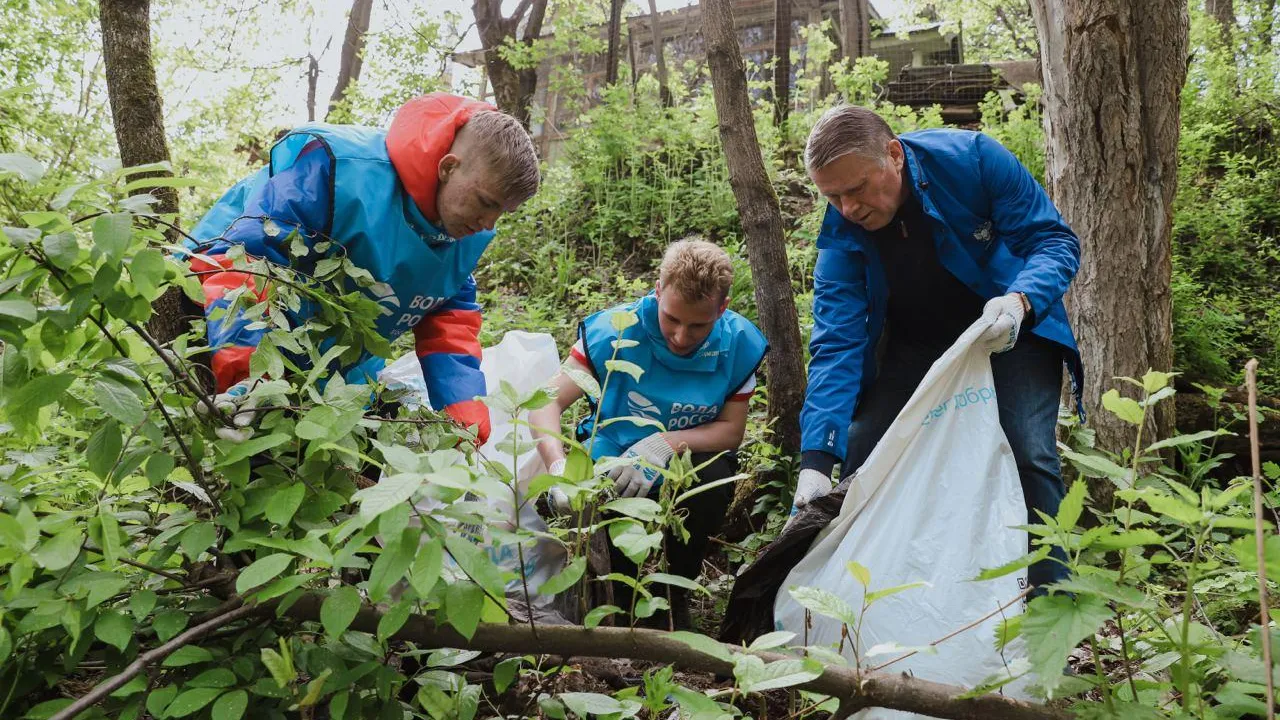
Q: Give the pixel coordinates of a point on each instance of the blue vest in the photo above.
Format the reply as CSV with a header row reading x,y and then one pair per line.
x,y
679,392
372,220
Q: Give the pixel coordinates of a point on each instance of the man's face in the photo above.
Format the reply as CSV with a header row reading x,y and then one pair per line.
x,y
467,197
685,324
865,191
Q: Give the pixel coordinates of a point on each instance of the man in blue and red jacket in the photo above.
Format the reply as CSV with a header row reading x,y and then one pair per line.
x,y
413,205
923,234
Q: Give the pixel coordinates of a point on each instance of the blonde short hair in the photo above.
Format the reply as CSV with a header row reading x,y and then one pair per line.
x,y
505,145
843,130
696,269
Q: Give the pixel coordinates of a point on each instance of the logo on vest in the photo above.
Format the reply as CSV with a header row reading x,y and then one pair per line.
x,y
424,304
687,415
641,406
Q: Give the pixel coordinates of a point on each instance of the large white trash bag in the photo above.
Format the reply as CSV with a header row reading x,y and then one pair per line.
x,y
526,361
935,501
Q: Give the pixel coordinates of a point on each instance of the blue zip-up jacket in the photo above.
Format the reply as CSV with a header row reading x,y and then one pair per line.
x,y
995,229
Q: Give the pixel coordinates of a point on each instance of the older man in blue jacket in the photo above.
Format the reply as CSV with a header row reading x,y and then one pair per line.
x,y
924,233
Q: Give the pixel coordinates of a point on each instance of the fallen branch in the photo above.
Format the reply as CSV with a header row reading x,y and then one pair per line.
x,y
884,690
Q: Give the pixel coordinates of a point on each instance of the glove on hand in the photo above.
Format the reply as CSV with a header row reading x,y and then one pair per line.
x,y
237,405
637,480
1005,314
557,497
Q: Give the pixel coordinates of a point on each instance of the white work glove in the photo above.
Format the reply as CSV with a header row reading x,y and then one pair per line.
x,y
237,405
637,480
812,485
558,499
1005,314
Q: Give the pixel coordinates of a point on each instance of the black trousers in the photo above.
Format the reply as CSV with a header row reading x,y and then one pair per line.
x,y
706,512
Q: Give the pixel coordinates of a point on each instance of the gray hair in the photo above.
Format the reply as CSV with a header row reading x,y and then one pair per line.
x,y
843,130
506,146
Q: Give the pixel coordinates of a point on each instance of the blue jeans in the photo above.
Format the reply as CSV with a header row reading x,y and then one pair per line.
x,y
1028,385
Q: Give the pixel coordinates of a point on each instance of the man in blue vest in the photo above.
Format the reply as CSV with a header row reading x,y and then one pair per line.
x,y
413,205
699,361
923,234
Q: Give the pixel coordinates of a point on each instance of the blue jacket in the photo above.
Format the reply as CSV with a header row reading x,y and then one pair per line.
x,y
995,229
674,391
336,182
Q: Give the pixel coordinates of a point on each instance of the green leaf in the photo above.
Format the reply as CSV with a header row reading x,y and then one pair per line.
x,y
631,538
1186,439
1106,589
597,614
825,603
886,592
38,392
564,579
389,491
148,269
1096,466
859,572
103,449
676,580
215,678
168,624
187,655
233,454
114,629
317,423
18,309
158,700
505,672
427,566
1127,409
111,234
476,564
1013,566
1072,506
62,249
198,538
22,167
190,701
1130,538
769,641
284,503
141,604
392,563
630,368
59,551
393,619
703,644
339,609
754,675
1155,380
164,181
1173,508
1053,626
231,706
281,670
463,601
109,537
622,319
262,570
585,704
642,509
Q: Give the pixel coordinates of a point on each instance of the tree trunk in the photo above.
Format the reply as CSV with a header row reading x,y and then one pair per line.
x,y
139,121
615,42
1224,12
655,31
781,61
313,77
512,88
761,222
1266,22
352,50
855,29
1113,71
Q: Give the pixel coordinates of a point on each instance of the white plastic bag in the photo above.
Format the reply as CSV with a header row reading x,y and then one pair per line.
x,y
526,361
936,501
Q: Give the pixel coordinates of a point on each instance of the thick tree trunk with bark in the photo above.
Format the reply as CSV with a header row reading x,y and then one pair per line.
x,y
1113,71
664,90
761,222
855,29
615,42
139,123
782,61
513,87
352,50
